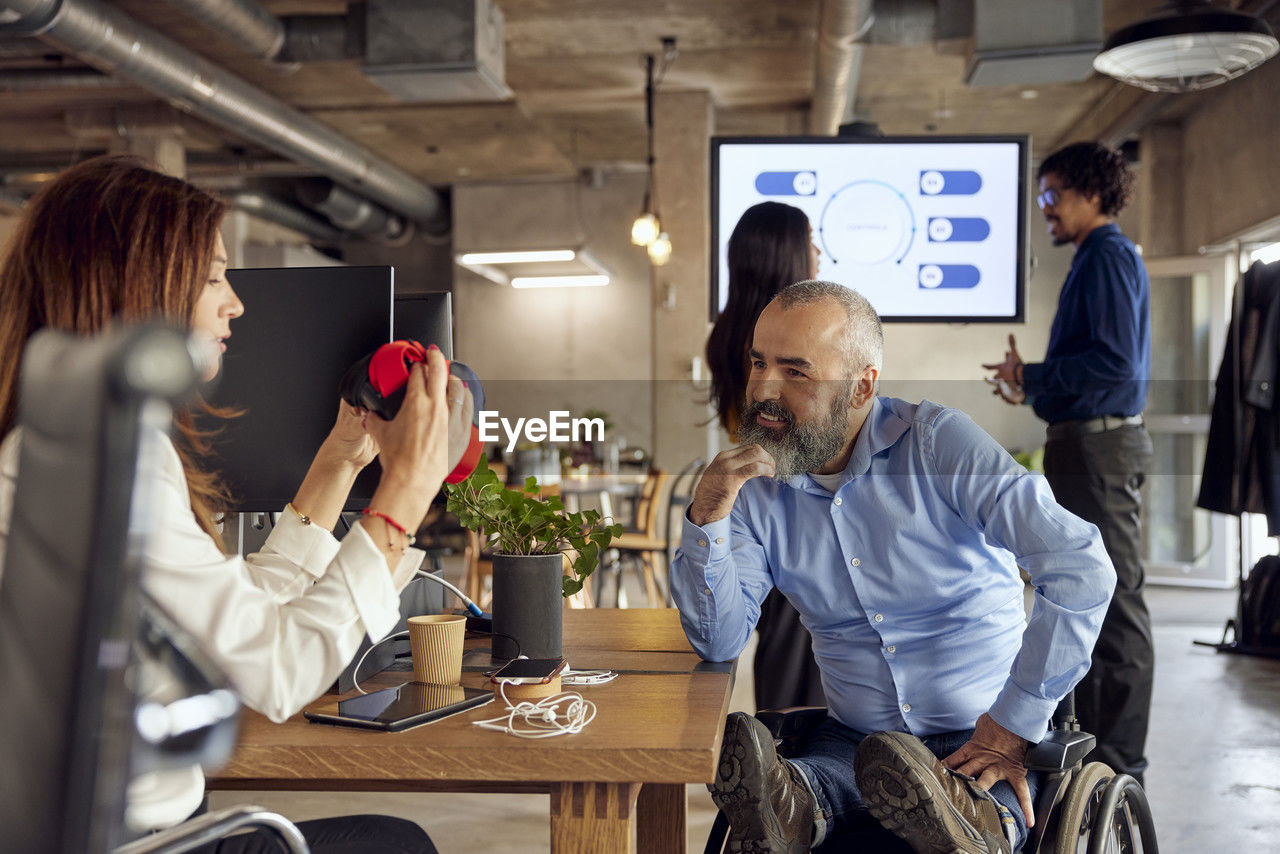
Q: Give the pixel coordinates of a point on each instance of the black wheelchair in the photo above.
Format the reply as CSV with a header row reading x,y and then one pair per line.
x,y
1080,809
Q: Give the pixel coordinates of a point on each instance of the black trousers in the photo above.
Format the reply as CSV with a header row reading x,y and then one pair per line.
x,y
1097,477
785,671
349,834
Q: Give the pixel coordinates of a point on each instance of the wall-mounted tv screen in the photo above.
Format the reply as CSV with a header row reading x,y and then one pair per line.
x,y
929,229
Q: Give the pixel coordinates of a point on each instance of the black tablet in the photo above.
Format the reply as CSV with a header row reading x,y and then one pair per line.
x,y
394,709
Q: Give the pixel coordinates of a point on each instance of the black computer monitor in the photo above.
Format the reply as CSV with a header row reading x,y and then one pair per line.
x,y
426,318
302,328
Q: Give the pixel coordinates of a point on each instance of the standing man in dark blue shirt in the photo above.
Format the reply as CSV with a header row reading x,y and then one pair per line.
x,y
1091,389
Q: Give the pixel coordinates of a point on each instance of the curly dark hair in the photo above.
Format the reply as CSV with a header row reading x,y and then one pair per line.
x,y
1092,168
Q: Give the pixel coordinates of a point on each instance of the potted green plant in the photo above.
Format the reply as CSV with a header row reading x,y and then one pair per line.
x,y
529,535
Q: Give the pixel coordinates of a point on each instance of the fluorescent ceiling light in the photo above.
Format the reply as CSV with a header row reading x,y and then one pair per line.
x,y
518,257
588,281
559,268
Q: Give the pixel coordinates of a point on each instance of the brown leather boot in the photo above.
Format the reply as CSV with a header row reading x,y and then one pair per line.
x,y
768,805
920,800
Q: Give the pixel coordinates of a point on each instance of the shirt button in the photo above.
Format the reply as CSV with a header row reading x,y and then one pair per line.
x,y
906,707
892,649
856,562
702,543
706,590
719,540
838,502
879,618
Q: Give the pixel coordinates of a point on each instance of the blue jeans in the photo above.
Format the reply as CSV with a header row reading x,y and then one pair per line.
x,y
840,819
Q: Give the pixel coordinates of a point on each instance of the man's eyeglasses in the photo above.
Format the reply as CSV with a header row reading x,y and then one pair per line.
x,y
1049,197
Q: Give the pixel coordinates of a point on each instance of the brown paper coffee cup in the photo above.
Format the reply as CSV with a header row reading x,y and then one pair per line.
x,y
436,643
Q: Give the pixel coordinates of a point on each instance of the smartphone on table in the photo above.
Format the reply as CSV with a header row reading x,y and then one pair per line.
x,y
529,671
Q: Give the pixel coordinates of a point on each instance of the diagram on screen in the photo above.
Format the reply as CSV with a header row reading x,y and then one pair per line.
x,y
921,230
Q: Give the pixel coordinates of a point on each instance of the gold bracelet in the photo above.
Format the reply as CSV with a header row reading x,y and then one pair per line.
x,y
306,520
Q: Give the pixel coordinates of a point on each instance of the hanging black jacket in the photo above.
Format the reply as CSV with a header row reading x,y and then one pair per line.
x,y
1242,462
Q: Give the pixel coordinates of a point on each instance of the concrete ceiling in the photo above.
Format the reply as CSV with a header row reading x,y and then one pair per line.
x,y
577,72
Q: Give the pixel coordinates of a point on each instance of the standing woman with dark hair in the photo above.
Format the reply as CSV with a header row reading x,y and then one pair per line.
x,y
112,240
771,247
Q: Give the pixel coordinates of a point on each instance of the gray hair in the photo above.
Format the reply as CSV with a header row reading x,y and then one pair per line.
x,y
863,335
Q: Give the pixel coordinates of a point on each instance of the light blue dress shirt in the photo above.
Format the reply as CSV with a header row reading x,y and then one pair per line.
x,y
907,577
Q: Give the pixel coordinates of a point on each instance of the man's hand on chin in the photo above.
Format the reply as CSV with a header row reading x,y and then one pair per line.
x,y
723,480
994,754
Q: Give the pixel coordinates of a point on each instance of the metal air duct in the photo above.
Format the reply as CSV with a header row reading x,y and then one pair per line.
x,y
246,23
40,79
106,38
280,212
349,211
837,63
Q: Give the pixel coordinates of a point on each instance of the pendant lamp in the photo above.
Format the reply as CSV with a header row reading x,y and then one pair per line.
x,y
1185,46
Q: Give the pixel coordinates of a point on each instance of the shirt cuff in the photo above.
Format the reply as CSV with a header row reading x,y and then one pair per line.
x,y
1032,378
1023,714
304,545
706,543
407,569
373,589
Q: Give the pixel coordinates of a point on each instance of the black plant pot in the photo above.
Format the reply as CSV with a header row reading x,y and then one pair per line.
x,y
528,600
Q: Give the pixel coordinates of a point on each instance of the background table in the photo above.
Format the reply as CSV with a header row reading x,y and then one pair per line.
x,y
618,784
604,488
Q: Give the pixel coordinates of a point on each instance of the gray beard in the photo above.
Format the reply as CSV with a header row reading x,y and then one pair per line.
x,y
800,448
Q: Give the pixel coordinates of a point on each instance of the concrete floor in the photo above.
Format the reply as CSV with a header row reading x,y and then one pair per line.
x,y
1214,781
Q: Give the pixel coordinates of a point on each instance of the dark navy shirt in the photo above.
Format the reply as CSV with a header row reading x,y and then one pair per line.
x,y
1099,357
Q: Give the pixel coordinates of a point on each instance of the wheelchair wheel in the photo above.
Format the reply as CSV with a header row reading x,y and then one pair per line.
x,y
1079,809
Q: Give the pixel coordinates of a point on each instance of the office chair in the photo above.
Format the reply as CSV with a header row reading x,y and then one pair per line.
x,y
72,621
1079,809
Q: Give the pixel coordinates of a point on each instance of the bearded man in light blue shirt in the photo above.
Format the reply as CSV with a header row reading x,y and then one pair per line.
x,y
897,531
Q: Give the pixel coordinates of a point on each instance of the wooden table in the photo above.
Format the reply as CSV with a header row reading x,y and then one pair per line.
x,y
618,786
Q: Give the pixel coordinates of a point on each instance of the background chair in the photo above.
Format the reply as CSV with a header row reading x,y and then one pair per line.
x,y
678,501
70,610
1081,809
646,545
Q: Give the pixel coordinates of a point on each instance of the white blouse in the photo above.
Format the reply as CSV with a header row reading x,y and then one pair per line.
x,y
282,623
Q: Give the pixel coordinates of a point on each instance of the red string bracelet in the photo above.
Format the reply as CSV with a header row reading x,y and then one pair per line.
x,y
392,522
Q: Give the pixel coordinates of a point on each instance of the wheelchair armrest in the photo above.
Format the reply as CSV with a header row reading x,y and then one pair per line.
x,y
1059,750
211,827
793,721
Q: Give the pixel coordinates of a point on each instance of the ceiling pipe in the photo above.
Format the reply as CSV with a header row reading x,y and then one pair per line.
x,y
39,79
349,211
106,38
838,60
276,210
246,23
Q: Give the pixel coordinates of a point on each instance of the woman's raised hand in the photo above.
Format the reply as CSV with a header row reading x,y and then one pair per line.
x,y
415,445
348,441
462,407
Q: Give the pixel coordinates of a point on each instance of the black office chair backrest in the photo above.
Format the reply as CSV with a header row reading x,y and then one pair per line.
x,y
66,621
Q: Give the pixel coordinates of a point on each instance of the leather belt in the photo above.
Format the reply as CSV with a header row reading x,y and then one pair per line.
x,y
1103,424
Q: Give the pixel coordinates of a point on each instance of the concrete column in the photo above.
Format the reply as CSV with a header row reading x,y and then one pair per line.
x,y
166,151
1159,192
683,123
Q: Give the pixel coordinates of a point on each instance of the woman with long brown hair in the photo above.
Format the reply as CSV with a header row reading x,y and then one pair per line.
x,y
770,247
112,240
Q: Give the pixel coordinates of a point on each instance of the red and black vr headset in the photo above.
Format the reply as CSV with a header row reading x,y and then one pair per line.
x,y
377,382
